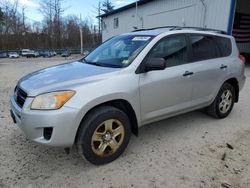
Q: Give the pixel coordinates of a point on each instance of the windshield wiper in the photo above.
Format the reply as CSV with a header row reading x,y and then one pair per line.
x,y
96,64
100,64
82,60
113,66
91,63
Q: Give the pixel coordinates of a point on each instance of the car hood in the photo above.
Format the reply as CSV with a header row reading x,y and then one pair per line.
x,y
64,76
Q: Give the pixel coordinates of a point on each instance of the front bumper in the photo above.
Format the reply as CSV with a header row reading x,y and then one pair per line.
x,y
64,123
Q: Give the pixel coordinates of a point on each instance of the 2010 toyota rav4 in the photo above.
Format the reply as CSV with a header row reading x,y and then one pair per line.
x,y
129,81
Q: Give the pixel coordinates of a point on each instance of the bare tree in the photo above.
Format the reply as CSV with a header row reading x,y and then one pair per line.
x,y
1,15
23,19
11,24
54,32
97,35
99,8
52,11
58,10
46,9
10,18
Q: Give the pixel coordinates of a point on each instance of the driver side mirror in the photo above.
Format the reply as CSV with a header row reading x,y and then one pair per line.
x,y
154,64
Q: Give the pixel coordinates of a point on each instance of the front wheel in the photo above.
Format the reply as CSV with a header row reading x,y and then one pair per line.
x,y
103,135
223,103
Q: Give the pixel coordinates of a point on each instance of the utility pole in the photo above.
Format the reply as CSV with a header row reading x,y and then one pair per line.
x,y
81,39
24,27
99,18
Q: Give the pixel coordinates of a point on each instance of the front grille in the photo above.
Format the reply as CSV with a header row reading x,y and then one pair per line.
x,y
20,96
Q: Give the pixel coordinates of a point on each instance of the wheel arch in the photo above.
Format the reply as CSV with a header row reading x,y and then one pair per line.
x,y
120,104
234,82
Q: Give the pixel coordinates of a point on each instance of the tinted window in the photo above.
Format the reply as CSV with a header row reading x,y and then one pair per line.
x,y
172,49
224,45
203,47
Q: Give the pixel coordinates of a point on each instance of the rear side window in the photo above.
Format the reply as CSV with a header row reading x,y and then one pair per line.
x,y
204,47
210,47
224,45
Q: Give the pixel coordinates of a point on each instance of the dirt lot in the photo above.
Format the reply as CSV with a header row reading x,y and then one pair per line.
x,y
184,151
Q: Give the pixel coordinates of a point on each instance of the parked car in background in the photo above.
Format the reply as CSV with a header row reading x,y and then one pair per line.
x,y
32,54
85,53
53,53
29,53
3,54
25,52
46,54
66,53
37,54
13,55
129,81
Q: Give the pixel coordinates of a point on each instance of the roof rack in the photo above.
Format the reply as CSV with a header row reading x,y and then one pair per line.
x,y
153,28
199,29
172,28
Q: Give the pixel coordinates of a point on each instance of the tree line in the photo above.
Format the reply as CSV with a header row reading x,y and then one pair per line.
x,y
55,31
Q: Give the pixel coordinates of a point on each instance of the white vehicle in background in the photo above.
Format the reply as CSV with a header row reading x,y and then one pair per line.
x,y
13,55
25,52
29,53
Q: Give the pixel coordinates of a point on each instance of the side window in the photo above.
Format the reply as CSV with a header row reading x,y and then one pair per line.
x,y
203,47
224,46
172,49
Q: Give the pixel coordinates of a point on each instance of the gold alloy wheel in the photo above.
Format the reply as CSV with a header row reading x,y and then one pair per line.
x,y
107,137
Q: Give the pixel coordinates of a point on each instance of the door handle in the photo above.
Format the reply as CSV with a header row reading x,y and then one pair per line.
x,y
223,66
187,73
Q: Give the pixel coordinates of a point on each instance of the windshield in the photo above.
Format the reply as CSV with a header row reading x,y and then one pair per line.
x,y
118,52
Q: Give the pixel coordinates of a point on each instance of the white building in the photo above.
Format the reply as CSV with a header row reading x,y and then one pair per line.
x,y
232,16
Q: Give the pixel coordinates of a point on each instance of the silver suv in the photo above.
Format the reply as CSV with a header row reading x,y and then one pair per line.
x,y
129,81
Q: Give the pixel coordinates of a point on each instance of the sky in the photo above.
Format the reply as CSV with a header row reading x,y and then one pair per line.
x,y
85,8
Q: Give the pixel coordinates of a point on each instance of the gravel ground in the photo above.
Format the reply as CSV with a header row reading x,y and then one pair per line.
x,y
185,151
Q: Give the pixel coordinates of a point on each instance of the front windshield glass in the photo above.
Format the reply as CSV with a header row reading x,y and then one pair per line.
x,y
118,52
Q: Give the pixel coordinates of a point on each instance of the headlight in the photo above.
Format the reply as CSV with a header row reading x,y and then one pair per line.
x,y
51,101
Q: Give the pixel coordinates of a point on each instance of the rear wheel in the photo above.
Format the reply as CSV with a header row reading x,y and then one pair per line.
x,y
223,103
104,135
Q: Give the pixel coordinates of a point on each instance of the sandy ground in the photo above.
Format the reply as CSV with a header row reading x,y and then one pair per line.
x,y
184,151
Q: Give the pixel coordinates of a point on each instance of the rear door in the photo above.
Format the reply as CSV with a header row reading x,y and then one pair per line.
x,y
209,65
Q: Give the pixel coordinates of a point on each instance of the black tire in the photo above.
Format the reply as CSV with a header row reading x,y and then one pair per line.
x,y
90,125
214,109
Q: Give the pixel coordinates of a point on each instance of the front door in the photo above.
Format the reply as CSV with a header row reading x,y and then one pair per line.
x,y
167,91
